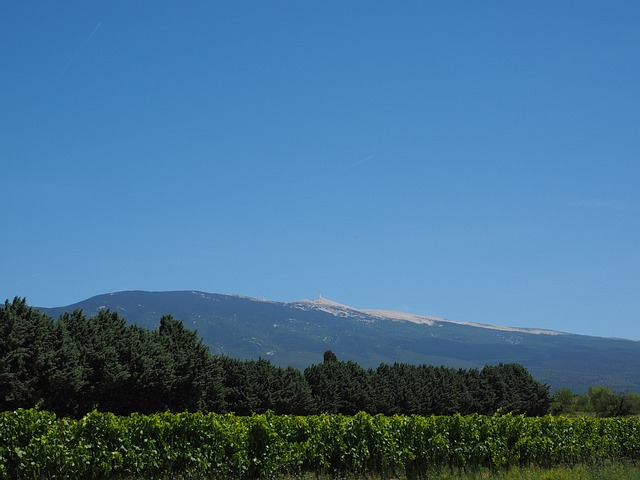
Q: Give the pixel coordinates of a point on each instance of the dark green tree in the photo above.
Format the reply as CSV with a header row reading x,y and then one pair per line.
x,y
294,395
240,392
26,354
329,357
397,389
68,377
340,387
515,390
191,365
104,350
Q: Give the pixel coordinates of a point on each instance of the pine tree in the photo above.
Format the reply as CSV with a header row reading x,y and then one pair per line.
x,y
26,354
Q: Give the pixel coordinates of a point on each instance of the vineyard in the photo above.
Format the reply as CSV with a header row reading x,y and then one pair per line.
x,y
38,444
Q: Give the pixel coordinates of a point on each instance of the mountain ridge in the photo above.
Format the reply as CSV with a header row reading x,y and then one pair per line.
x,y
398,315
297,333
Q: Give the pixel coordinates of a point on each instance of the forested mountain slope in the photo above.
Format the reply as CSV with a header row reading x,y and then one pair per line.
x,y
296,334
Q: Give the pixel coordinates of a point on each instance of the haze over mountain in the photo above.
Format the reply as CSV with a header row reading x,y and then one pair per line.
x,y
297,334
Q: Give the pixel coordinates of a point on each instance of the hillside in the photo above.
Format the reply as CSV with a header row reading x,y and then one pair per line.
x,y
297,334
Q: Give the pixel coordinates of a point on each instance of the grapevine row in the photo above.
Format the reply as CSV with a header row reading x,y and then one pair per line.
x,y
37,444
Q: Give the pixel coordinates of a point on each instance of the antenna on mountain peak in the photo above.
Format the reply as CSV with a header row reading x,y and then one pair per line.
x,y
319,295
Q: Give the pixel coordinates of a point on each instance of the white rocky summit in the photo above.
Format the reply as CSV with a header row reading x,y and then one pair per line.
x,y
341,310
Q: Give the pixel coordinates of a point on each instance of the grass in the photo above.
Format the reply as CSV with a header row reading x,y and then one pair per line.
x,y
580,472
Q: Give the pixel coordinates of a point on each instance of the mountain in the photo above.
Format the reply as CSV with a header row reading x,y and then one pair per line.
x,y
297,334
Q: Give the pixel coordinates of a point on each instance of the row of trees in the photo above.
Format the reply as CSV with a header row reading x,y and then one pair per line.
x,y
76,363
600,401
401,388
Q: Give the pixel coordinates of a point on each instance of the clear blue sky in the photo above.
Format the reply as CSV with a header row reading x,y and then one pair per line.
x,y
478,161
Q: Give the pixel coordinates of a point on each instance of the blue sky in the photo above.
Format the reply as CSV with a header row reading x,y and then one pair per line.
x,y
478,161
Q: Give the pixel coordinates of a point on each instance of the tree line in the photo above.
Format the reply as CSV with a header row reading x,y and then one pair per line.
x,y
600,401
76,364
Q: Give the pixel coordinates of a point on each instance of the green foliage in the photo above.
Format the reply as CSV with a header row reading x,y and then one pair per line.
x,y
563,401
37,444
329,356
26,354
344,387
609,404
77,363
340,387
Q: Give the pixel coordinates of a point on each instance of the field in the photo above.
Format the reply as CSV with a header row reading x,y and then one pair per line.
x,y
36,444
579,472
